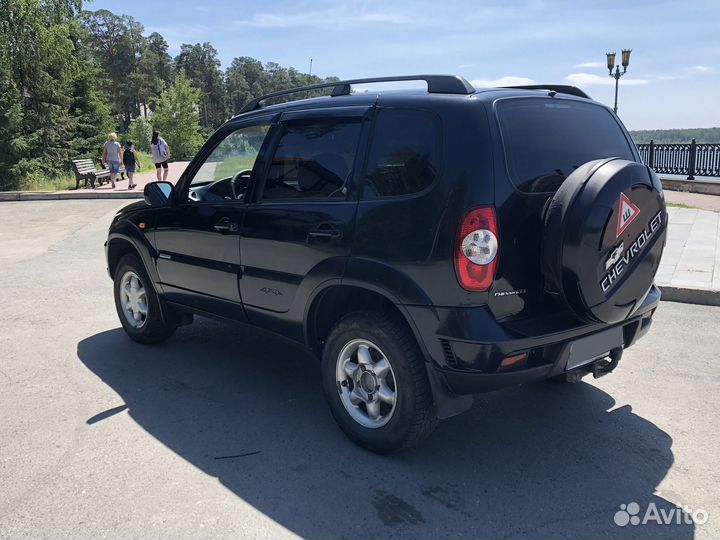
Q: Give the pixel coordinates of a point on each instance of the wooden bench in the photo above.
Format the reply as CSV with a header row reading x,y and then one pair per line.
x,y
85,172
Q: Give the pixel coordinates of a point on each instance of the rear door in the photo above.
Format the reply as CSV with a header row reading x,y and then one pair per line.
x,y
539,141
301,223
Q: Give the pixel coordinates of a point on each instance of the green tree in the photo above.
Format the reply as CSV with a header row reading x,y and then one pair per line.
x,y
140,133
247,78
39,67
119,46
11,125
666,136
238,85
90,108
156,68
68,76
177,117
202,67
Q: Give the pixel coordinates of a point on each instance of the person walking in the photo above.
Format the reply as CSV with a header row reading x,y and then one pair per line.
x,y
160,155
111,157
131,163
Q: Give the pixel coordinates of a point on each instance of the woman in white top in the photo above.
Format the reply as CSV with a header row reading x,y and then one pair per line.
x,y
160,155
111,157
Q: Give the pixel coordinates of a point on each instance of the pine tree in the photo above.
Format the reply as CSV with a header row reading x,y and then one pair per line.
x,y
40,60
91,108
156,67
118,45
11,126
202,67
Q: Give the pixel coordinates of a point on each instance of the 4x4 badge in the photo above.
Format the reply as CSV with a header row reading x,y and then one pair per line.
x,y
627,213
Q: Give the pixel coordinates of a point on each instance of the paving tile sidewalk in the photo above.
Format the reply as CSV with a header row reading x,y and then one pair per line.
x,y
143,177
692,254
694,200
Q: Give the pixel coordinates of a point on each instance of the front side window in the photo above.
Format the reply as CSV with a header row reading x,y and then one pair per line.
x,y
227,171
404,153
313,159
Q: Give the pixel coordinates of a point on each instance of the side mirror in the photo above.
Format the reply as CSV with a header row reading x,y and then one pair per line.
x,y
158,193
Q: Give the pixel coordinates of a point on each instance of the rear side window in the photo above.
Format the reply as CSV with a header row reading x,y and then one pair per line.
x,y
404,153
313,159
546,139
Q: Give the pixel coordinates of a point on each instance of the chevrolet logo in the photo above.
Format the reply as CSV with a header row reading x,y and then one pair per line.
x,y
614,256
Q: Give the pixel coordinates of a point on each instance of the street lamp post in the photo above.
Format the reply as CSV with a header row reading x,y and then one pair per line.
x,y
611,65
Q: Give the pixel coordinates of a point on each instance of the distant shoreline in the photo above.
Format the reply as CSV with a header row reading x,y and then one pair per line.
x,y
672,136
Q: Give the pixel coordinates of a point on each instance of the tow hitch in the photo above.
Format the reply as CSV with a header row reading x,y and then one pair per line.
x,y
598,368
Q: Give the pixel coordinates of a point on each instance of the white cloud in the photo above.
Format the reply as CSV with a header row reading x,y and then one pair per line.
x,y
703,69
590,79
685,73
337,19
588,65
508,80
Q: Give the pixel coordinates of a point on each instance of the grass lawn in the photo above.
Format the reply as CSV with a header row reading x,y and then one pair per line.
x,y
678,205
60,183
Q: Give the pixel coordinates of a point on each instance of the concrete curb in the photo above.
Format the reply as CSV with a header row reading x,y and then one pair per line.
x,y
691,186
67,195
703,297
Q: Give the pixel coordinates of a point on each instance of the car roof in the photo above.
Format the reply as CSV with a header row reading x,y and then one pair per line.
x,y
370,97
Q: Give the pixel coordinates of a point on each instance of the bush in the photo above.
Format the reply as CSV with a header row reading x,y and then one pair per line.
x,y
176,117
140,133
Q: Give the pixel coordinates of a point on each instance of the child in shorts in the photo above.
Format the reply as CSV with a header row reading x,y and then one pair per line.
x,y
131,163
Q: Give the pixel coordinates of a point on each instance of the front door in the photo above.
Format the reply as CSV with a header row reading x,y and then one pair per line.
x,y
198,237
298,230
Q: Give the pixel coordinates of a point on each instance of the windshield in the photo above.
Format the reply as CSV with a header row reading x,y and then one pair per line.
x,y
546,139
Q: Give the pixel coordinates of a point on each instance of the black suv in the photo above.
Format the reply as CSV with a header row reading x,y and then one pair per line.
x,y
426,245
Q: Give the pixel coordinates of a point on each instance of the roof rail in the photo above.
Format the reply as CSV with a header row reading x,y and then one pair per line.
x,y
560,88
437,84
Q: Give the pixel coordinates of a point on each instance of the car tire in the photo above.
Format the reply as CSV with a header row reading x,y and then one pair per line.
x,y
384,426
137,304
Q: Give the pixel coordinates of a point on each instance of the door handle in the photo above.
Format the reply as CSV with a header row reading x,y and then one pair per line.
x,y
325,233
225,225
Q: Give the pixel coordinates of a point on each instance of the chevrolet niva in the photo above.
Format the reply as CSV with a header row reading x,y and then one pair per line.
x,y
425,245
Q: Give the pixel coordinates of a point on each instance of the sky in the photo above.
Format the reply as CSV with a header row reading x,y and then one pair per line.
x,y
673,80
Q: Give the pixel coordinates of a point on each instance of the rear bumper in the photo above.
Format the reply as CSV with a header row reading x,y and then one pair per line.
x,y
466,345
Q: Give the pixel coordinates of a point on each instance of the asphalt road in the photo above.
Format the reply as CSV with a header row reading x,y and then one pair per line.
x,y
223,432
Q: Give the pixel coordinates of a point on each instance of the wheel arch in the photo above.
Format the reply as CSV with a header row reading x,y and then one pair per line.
x,y
117,249
335,300
127,238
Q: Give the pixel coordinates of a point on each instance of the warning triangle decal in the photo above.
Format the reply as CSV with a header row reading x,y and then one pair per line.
x,y
627,213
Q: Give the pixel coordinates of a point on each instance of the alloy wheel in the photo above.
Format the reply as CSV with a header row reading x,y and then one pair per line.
x,y
366,383
133,299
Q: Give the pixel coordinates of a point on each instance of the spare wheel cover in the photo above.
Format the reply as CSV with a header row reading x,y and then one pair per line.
x,y
603,237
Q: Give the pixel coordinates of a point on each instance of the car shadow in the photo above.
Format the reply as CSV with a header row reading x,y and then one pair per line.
x,y
546,460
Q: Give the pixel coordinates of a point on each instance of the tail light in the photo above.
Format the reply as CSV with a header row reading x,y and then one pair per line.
x,y
477,249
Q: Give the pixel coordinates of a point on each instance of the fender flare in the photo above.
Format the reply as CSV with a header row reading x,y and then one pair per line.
x,y
126,231
379,278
